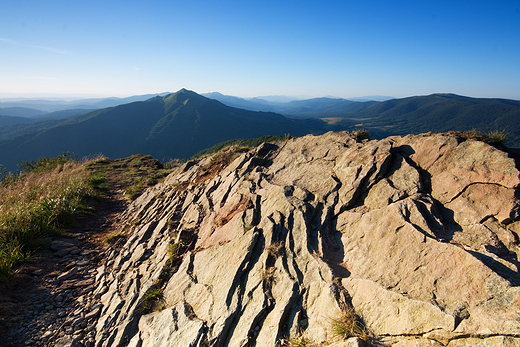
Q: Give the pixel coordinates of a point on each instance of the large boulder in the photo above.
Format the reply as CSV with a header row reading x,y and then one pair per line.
x,y
416,238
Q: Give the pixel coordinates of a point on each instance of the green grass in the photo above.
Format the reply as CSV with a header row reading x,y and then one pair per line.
x,y
152,299
10,255
45,196
133,174
112,238
174,251
296,342
99,180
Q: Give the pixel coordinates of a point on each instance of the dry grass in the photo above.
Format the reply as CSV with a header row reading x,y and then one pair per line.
x,y
495,137
267,276
37,203
276,249
348,324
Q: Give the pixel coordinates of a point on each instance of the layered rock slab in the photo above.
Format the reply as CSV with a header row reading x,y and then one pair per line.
x,y
417,235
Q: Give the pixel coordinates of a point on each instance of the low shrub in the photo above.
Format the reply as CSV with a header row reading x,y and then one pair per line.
x,y
361,134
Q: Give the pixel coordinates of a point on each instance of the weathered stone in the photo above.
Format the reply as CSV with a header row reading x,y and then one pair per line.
x,y
418,235
62,252
68,274
67,341
171,327
388,313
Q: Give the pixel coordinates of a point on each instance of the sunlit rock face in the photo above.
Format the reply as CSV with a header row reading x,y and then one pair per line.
x,y
416,235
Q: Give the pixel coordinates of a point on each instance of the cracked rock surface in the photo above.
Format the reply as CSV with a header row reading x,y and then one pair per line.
x,y
417,234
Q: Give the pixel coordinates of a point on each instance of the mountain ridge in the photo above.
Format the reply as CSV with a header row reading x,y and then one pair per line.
x,y
180,124
174,126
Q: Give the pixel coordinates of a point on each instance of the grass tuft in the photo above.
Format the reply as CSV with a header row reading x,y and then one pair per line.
x,y
497,137
361,134
267,276
152,300
348,324
493,138
296,342
113,238
276,249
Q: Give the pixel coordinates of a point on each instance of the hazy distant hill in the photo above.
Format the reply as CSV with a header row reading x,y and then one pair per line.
x,y
45,105
247,104
413,115
15,126
324,107
175,126
11,120
21,112
308,108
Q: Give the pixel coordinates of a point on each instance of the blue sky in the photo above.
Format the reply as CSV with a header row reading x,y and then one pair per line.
x,y
256,48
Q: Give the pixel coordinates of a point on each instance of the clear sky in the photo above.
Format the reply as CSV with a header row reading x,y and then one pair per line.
x,y
254,48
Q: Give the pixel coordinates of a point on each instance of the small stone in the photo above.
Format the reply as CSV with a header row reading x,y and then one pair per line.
x,y
86,282
67,274
77,321
62,252
67,341
95,311
46,335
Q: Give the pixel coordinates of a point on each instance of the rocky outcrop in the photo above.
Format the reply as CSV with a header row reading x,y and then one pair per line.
x,y
417,235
